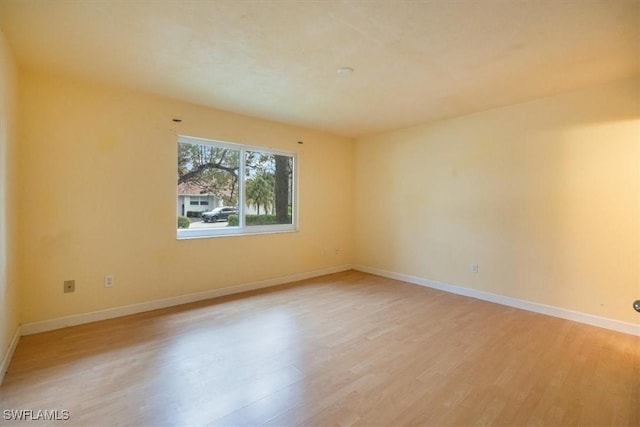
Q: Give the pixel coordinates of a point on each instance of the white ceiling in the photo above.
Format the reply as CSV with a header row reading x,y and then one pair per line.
x,y
414,61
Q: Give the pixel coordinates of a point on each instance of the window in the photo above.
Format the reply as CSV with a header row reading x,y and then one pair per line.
x,y
253,189
198,201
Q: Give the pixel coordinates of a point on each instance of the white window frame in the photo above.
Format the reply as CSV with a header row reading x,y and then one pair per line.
x,y
242,229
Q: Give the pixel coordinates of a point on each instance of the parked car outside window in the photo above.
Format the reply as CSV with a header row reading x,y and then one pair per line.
x,y
217,214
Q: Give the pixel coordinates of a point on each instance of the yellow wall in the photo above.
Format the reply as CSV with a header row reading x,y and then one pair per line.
x,y
543,196
9,315
98,188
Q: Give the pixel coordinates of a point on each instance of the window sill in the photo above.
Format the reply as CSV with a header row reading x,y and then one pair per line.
x,y
186,234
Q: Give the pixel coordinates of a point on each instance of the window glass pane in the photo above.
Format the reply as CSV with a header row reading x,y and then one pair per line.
x,y
212,173
268,189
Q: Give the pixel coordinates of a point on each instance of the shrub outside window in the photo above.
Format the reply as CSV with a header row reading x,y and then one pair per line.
x,y
248,189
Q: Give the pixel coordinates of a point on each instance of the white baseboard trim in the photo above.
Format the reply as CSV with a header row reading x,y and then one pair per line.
x,y
6,359
78,319
563,313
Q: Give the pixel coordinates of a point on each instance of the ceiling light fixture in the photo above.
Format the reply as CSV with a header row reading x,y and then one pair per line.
x,y
345,71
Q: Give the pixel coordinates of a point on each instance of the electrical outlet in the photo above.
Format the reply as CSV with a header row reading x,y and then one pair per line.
x,y
109,281
474,268
69,286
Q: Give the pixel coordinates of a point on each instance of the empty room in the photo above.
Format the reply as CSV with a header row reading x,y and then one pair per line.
x,y
320,212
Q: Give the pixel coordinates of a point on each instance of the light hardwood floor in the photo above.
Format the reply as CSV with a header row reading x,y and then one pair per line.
x,y
344,349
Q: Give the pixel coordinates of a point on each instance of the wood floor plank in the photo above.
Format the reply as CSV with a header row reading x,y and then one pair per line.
x,y
349,349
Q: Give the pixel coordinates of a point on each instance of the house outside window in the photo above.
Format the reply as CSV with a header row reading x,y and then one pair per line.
x,y
193,200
